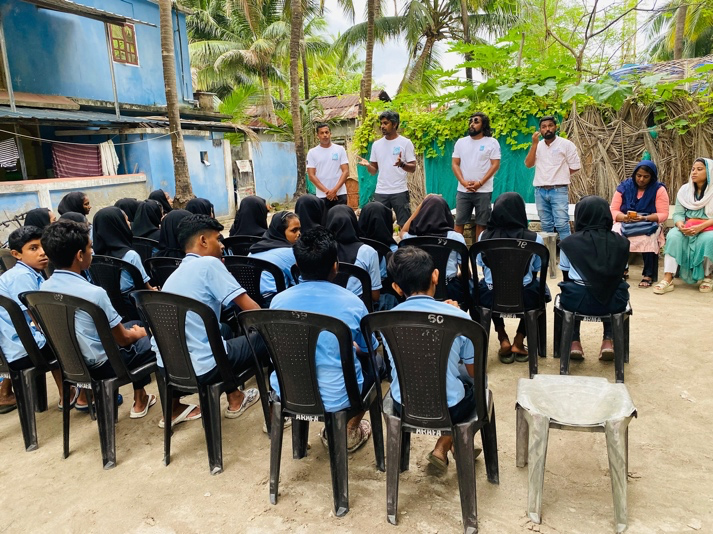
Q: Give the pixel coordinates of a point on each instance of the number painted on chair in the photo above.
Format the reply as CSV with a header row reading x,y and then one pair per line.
x,y
303,417
428,432
58,297
442,241
521,244
435,319
299,315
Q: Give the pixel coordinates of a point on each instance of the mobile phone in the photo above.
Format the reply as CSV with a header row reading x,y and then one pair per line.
x,y
632,214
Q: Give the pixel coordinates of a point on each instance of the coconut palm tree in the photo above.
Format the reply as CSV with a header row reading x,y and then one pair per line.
x,y
681,29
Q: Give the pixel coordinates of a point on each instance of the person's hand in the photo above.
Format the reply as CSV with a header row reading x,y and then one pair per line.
x,y
361,161
452,302
398,161
139,330
332,194
536,137
472,186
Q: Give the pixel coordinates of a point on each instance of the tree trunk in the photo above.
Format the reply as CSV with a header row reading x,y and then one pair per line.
x,y
522,48
184,191
268,109
416,73
295,34
680,29
369,61
305,72
466,36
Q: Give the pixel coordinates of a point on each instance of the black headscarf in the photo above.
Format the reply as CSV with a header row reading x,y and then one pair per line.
x,y
200,206
434,218
74,216
168,246
274,237
508,219
112,236
250,217
72,202
342,221
147,221
160,196
310,210
39,217
597,253
375,222
128,206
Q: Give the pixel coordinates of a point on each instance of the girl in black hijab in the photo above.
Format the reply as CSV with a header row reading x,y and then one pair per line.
x,y
376,222
250,217
147,221
310,210
128,206
39,217
593,260
508,220
168,246
74,216
200,206
162,198
76,201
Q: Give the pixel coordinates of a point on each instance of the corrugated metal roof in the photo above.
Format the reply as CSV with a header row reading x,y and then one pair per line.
x,y
67,6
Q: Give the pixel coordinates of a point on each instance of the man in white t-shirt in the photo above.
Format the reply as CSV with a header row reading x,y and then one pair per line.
x,y
328,169
554,161
476,159
392,157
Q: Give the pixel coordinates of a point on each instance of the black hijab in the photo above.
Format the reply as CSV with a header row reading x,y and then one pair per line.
x,y
250,217
342,221
310,210
274,237
39,217
434,218
168,246
508,219
200,206
74,216
160,196
148,219
597,253
375,222
128,206
112,236
72,202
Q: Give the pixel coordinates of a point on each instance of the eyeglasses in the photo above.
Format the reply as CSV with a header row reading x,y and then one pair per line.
x,y
475,121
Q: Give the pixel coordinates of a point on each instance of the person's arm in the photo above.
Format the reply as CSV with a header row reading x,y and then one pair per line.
x,y
573,159
532,153
244,302
407,224
408,167
494,166
125,337
372,167
470,367
662,205
312,175
455,167
679,215
342,180
615,208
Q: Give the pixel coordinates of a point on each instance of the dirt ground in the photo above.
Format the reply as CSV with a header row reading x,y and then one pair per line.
x,y
671,470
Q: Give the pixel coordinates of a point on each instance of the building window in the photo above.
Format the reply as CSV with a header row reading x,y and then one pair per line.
x,y
123,44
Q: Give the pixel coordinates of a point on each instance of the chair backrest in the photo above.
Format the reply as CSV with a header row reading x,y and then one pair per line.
x,y
509,261
440,249
144,247
160,268
165,315
420,344
55,313
381,249
291,339
239,245
349,270
248,270
7,260
19,322
106,273
295,272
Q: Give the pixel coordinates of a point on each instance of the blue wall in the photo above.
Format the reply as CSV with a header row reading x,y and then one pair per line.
x,y
275,170
63,54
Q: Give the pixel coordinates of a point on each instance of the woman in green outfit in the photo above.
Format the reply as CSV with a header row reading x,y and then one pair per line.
x,y
690,244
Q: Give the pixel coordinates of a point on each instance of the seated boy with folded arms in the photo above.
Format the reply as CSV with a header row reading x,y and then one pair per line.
x,y
415,278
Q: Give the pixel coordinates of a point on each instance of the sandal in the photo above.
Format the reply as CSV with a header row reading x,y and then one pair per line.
x,y
662,287
646,282
576,354
522,357
355,439
438,463
706,285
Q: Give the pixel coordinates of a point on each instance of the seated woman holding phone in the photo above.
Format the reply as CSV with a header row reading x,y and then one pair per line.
x,y
639,207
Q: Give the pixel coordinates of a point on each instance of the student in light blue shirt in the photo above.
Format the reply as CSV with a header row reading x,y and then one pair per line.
x,y
415,278
69,248
316,254
276,247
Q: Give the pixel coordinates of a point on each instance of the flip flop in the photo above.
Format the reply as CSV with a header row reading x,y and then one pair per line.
x,y
520,357
85,408
506,356
576,354
252,395
7,408
72,401
646,283
139,415
182,417
438,463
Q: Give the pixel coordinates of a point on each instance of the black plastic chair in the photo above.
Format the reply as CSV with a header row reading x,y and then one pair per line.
x,y
248,270
239,245
291,339
440,249
30,385
105,272
564,331
160,268
384,252
144,247
7,260
420,343
509,261
295,272
165,315
55,313
349,270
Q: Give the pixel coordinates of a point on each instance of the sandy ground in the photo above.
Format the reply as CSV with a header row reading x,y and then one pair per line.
x,y
670,486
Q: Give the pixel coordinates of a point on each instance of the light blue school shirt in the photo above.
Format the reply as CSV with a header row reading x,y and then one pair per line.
x,y
461,350
565,265
382,263
127,283
453,259
284,258
73,284
368,259
327,299
535,266
17,280
205,279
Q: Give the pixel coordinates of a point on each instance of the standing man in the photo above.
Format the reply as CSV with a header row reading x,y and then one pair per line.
x,y
328,169
476,159
554,161
392,157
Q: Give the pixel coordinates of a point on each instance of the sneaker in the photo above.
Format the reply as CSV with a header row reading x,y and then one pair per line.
x,y
252,395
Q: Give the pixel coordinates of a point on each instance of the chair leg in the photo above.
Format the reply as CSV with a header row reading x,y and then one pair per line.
x,y
537,455
521,432
542,334
489,436
92,407
486,316
627,324
557,333
167,404
618,320
22,385
616,434
40,391
276,432
393,468
566,335
105,398
532,326
264,397
463,437
405,451
300,433
210,408
377,433
336,426
65,416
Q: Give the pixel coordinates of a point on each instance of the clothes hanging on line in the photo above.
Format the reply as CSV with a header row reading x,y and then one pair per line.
x,y
8,154
109,159
76,160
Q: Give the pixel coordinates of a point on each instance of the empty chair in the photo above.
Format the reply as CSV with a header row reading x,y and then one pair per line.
x,y
239,245
7,260
248,272
144,246
349,270
423,340
160,268
106,272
